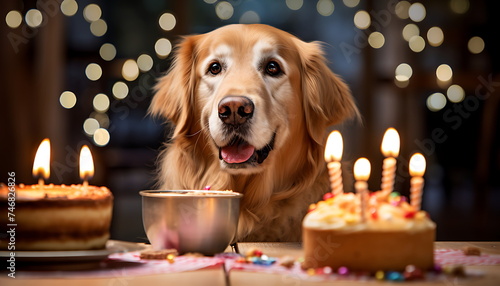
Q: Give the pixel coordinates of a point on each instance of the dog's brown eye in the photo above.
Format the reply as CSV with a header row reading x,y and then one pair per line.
x,y
215,68
273,68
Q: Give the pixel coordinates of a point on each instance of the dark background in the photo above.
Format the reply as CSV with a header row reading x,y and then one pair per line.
x,y
460,141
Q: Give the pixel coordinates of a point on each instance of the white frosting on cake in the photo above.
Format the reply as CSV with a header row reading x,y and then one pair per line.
x,y
389,213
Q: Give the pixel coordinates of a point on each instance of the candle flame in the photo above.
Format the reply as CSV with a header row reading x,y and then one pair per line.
x,y
417,165
362,169
86,163
390,143
334,147
41,165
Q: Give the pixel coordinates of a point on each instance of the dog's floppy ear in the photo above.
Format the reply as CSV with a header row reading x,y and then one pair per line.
x,y
327,99
174,92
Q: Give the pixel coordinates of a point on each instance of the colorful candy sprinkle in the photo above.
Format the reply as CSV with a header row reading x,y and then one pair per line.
x,y
343,270
380,275
207,188
394,276
327,196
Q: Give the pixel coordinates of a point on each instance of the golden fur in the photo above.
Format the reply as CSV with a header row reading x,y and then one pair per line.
x,y
297,106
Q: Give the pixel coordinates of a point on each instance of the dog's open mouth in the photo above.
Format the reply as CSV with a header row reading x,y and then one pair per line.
x,y
238,151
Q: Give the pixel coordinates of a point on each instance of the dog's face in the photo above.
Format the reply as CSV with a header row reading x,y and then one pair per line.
x,y
251,90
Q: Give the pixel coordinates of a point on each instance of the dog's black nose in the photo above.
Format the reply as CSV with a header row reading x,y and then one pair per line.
x,y
235,110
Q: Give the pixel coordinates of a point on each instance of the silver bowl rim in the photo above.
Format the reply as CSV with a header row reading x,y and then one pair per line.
x,y
190,194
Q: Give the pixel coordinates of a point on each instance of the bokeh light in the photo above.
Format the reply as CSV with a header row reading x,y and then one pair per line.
x,y
33,18
459,6
92,12
102,118
403,72
69,7
455,93
120,90
210,1
362,20
417,44
98,28
250,17
435,36
163,47
475,45
144,62
167,21
436,101
90,125
101,137
224,10
376,40
401,9
93,71
101,102
444,72
67,99
13,19
107,52
417,12
351,3
130,70
409,31
294,4
325,7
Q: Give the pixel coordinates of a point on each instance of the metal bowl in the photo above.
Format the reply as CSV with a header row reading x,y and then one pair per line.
x,y
190,221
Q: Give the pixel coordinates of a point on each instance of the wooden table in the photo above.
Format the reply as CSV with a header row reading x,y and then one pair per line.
x,y
488,275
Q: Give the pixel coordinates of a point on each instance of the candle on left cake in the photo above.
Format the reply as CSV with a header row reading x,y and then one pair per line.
x,y
55,217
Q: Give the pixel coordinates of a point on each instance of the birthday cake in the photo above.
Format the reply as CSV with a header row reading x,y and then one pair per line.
x,y
391,236
54,217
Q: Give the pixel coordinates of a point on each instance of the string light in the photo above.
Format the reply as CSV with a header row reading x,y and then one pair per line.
x,y
144,62
401,9
13,19
130,70
33,18
93,71
250,17
455,93
459,6
409,31
294,4
436,101
67,99
376,40
167,21
224,10
92,12
417,12
101,102
120,90
403,72
107,52
98,28
351,3
163,47
417,44
101,137
325,7
90,125
475,45
444,72
362,20
69,7
435,36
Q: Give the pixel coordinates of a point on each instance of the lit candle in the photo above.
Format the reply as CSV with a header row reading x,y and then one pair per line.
x,y
390,149
86,166
41,165
333,155
417,170
362,170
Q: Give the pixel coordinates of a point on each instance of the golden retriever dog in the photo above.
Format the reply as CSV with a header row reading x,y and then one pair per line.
x,y
251,105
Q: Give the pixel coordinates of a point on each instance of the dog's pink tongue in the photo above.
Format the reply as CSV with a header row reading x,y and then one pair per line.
x,y
237,153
